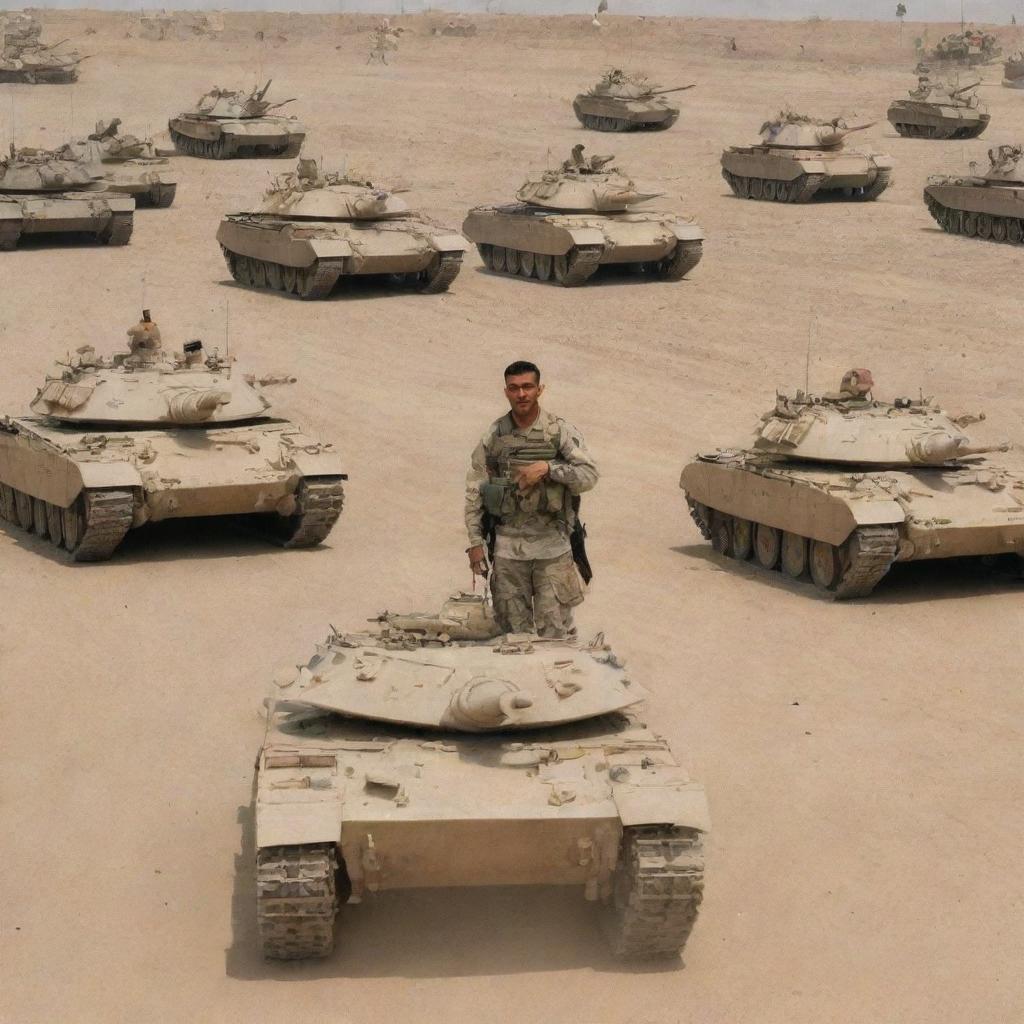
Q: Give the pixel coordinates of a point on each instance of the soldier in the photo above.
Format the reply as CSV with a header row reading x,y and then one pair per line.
x,y
522,496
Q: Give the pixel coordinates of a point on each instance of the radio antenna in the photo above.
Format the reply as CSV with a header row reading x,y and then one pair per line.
x,y
807,362
227,329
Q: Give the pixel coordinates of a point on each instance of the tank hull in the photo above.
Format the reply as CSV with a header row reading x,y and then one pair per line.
x,y
921,120
799,175
223,138
608,114
171,473
308,257
148,182
828,511
399,808
105,215
530,241
977,209
39,75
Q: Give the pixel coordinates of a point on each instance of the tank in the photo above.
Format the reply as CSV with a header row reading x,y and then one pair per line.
x,y
151,435
128,165
313,228
43,194
968,48
577,218
990,206
1013,71
26,59
836,488
939,111
799,158
623,102
227,124
398,759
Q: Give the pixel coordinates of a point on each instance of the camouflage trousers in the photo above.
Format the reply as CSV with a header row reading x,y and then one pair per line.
x,y
536,596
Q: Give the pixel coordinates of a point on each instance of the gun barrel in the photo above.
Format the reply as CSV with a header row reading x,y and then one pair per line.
x,y
964,88
678,88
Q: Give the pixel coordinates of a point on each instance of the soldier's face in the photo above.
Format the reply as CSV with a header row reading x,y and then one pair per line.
x,y
523,392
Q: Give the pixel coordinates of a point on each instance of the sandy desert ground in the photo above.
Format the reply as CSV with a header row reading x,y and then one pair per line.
x,y
863,761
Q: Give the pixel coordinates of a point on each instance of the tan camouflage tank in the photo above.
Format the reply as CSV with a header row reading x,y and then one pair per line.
x,y
799,158
578,217
837,487
1013,71
314,228
43,194
939,111
152,435
989,206
623,102
432,752
25,59
127,164
227,124
968,49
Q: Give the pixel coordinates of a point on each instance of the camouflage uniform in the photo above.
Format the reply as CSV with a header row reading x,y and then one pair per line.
x,y
534,583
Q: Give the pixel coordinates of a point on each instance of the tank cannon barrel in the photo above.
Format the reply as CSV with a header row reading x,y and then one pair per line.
x,y
965,88
831,134
678,88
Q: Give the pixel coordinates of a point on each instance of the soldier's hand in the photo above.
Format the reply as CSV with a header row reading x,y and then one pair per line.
x,y
478,560
531,475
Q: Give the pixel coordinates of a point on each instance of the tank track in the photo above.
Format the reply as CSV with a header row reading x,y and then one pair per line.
x,y
927,131
656,892
883,179
580,263
119,230
683,258
296,900
438,278
103,519
10,233
315,282
865,558
976,225
799,190
159,196
59,77
319,504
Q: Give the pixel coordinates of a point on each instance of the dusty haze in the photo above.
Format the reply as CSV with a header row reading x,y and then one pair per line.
x,y
863,762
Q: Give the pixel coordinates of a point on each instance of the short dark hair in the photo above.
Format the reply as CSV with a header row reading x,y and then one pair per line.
x,y
522,366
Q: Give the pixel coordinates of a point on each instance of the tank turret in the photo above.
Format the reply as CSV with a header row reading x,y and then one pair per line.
x,y
311,193
796,131
623,85
234,104
149,385
583,183
39,170
851,426
1006,165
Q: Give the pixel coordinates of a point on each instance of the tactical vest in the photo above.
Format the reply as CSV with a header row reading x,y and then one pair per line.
x,y
501,497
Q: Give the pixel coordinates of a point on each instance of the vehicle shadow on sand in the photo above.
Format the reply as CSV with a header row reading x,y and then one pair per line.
x,y
432,933
615,275
346,290
937,579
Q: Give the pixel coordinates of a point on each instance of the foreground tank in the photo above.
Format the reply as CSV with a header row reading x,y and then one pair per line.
x,y
939,112
226,124
312,229
43,194
800,158
580,217
444,756
149,436
839,487
128,165
989,206
622,102
26,59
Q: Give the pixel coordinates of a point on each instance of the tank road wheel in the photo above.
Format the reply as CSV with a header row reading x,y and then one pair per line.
x,y
680,261
756,188
701,515
1014,230
54,524
824,564
72,525
275,279
769,190
767,546
39,524
526,263
902,129
998,229
498,259
7,509
794,555
318,503
721,533
867,555
969,223
657,889
512,261
161,196
782,192
218,148
296,900
984,228
883,179
289,279
742,539
23,510
102,520
573,269
484,249
543,266
439,274
182,143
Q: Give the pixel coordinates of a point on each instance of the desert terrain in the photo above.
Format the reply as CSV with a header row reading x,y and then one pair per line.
x,y
863,761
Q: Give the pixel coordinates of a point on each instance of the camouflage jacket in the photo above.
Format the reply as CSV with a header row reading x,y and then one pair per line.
x,y
535,523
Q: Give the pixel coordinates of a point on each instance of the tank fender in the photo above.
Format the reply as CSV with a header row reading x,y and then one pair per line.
x,y
813,167
587,236
331,248
284,824
109,474
318,463
662,800
883,161
10,211
688,232
449,243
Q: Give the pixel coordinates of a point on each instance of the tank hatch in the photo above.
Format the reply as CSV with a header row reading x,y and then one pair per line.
x,y
311,193
227,103
422,679
148,385
583,184
790,130
850,426
40,170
